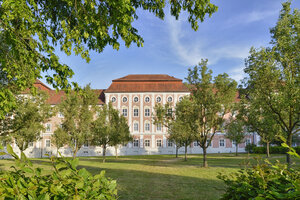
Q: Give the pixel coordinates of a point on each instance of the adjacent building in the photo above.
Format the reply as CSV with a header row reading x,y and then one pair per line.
x,y
135,97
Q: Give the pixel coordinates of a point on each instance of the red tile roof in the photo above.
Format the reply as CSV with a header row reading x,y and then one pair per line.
x,y
56,97
147,77
147,83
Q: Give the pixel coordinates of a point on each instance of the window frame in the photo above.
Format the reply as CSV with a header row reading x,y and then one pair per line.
x,y
147,98
135,112
222,143
147,114
147,143
47,140
135,141
160,99
113,99
147,128
158,143
125,109
134,99
136,124
168,99
124,99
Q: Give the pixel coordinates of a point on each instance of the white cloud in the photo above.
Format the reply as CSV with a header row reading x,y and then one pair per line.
x,y
190,51
251,17
237,73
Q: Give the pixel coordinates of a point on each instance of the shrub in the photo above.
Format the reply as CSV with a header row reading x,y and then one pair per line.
x,y
264,181
273,150
65,182
249,147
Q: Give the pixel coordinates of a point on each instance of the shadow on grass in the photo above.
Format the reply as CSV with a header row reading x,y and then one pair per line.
x,y
133,184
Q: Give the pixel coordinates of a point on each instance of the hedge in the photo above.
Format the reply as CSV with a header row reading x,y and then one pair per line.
x,y
274,150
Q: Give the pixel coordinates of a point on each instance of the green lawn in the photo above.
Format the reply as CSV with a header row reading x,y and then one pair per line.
x,y
164,176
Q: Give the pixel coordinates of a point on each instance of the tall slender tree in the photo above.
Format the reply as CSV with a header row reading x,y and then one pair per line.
x,y
110,128
120,133
211,99
274,80
78,109
29,118
235,132
59,138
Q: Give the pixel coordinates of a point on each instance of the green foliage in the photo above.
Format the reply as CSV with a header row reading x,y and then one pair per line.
x,y
235,132
29,118
263,181
273,149
250,148
109,128
78,109
65,181
273,82
211,100
59,138
30,31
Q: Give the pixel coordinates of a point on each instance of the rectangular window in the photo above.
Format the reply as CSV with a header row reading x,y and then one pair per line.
x,y
136,127
136,112
147,127
158,143
48,143
208,143
124,112
170,143
147,112
147,143
196,144
158,127
86,144
48,127
222,143
234,142
248,141
169,111
135,143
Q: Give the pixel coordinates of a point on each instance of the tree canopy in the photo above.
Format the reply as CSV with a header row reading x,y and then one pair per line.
x,y
78,109
30,31
274,81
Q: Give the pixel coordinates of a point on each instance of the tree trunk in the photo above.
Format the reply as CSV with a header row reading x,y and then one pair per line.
x,y
236,149
289,143
116,151
75,152
204,158
185,152
268,149
176,151
104,153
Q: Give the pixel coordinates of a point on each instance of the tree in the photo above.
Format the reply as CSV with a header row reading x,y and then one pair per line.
x,y
30,31
109,129
210,101
78,109
60,138
120,133
273,72
177,122
29,118
258,121
235,132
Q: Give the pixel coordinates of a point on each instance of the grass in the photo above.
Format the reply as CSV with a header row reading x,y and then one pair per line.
x,y
163,176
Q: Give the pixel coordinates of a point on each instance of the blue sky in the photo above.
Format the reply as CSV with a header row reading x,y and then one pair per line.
x,y
171,47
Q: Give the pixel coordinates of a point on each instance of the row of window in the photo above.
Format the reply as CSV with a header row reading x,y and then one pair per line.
x,y
136,112
147,99
222,143
147,143
158,143
147,126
